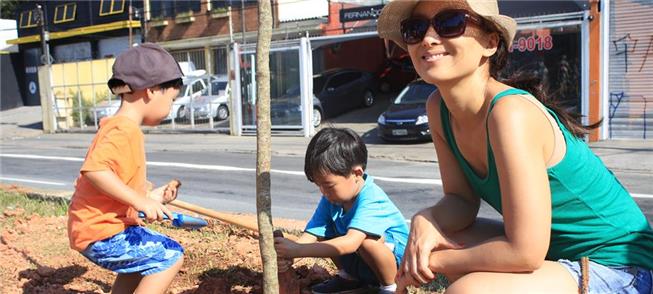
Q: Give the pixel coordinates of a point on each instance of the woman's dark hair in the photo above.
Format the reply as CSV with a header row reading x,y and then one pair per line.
x,y
533,84
334,151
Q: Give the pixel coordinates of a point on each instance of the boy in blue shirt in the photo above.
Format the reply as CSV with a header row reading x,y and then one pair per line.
x,y
355,223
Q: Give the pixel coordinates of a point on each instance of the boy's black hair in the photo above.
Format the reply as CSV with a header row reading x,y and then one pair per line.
x,y
334,151
176,83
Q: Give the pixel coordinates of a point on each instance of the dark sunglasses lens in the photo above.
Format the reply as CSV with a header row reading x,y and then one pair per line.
x,y
413,30
449,24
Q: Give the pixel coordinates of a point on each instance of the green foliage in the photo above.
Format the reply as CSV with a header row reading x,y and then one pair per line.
x,y
8,9
83,106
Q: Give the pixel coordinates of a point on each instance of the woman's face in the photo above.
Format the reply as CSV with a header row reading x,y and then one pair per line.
x,y
438,59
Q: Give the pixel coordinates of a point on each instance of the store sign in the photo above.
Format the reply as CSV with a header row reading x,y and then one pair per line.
x,y
360,13
532,43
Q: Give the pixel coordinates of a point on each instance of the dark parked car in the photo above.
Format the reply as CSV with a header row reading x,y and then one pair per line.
x,y
342,90
405,119
286,109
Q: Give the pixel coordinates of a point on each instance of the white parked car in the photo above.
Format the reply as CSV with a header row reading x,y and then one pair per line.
x,y
106,108
214,100
193,88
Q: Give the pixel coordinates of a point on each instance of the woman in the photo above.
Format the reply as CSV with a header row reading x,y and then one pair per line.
x,y
520,154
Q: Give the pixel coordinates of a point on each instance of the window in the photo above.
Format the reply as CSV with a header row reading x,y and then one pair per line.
x,y
65,13
108,7
342,79
29,19
186,6
160,9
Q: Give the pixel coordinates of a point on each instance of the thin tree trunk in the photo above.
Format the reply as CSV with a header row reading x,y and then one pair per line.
x,y
263,154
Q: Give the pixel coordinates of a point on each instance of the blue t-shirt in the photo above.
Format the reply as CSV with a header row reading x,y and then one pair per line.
x,y
373,213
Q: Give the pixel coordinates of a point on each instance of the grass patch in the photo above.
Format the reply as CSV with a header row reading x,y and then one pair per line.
x,y
13,200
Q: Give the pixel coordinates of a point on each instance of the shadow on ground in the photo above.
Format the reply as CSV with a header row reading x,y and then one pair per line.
x,y
45,279
235,279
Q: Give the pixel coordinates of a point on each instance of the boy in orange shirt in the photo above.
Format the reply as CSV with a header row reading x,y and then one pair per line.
x,y
111,189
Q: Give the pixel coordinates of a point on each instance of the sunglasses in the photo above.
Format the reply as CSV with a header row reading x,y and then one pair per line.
x,y
447,24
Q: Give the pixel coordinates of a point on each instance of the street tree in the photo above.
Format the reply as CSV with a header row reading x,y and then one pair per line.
x,y
263,152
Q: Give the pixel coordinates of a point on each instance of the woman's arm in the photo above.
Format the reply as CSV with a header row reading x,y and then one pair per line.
x,y
518,133
455,211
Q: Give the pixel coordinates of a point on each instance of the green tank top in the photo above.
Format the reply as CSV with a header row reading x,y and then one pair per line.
x,y
592,213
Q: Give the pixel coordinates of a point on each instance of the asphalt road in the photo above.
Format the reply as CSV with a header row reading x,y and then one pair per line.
x,y
225,181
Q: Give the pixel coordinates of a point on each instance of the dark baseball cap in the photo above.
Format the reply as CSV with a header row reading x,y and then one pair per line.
x,y
144,66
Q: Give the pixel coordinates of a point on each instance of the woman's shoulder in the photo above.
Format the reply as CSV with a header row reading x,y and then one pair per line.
x,y
433,104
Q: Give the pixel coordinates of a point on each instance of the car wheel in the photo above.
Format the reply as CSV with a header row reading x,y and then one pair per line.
x,y
223,113
317,117
181,113
368,98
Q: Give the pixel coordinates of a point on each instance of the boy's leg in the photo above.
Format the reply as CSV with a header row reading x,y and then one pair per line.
x,y
380,259
159,282
126,283
138,251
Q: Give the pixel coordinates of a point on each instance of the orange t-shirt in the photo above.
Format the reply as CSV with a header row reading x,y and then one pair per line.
x,y
92,216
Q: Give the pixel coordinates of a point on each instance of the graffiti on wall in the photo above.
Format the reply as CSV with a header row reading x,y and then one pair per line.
x,y
628,105
627,45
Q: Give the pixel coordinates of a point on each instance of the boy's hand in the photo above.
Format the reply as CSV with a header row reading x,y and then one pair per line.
x,y
285,248
152,209
166,194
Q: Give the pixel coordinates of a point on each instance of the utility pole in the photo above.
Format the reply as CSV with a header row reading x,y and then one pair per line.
x,y
45,77
131,37
45,37
142,17
242,20
231,28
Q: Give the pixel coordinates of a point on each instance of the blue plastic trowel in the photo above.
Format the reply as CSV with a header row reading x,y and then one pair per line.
x,y
183,221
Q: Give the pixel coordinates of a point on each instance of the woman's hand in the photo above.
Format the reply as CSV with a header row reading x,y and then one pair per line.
x,y
424,238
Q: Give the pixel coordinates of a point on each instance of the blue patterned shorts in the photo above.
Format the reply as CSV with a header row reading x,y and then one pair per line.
x,y
604,280
135,250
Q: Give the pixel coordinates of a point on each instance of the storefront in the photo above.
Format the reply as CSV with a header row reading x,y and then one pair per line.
x,y
552,41
628,70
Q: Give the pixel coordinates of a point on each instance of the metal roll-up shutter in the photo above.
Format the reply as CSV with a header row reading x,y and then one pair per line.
x,y
631,69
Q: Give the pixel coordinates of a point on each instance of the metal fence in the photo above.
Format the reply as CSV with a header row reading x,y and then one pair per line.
x,y
82,98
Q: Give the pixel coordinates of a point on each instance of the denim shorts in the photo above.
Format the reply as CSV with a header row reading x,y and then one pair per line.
x,y
604,280
135,250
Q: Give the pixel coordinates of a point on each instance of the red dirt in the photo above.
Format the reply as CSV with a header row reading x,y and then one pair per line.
x,y
218,259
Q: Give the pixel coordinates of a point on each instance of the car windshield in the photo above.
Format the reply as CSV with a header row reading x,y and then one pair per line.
x,y
217,87
415,93
182,91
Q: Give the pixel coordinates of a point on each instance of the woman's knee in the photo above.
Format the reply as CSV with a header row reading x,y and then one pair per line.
x,y
466,284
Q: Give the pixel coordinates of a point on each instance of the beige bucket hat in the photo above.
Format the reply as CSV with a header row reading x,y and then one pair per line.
x,y
396,11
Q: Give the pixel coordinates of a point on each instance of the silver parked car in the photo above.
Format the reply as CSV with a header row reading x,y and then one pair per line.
x,y
214,100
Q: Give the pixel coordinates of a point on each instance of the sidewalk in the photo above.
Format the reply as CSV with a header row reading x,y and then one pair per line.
x,y
618,155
